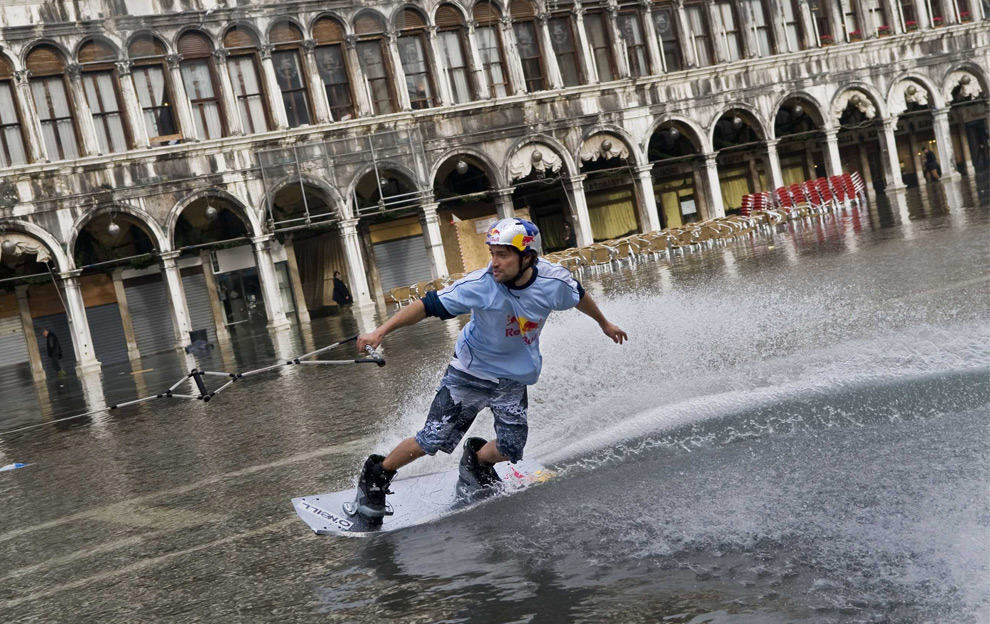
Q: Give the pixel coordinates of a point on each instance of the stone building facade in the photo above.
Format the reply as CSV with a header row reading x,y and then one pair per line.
x,y
169,166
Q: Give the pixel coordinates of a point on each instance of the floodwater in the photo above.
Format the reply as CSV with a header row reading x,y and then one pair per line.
x,y
797,431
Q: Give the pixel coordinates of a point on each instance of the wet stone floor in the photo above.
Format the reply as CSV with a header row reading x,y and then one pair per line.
x,y
796,432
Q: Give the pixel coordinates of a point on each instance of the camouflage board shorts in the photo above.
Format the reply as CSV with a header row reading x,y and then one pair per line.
x,y
459,399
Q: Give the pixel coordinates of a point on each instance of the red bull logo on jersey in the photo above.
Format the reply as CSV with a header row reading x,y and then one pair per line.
x,y
522,326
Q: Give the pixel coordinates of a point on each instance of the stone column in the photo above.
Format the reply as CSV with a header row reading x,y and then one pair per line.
x,y
808,25
891,9
302,310
776,24
399,74
125,315
362,99
177,298
269,281
30,337
716,208
893,164
867,171
227,98
919,165
967,154
445,96
219,318
35,144
832,158
698,180
649,216
272,90
618,41
321,105
84,114
718,34
479,81
584,47
554,77
82,342
503,203
776,175
181,100
943,141
581,221
355,262
652,40
924,17
517,79
133,115
431,236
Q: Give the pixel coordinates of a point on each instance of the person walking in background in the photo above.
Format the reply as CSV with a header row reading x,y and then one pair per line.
x,y
54,349
933,172
341,295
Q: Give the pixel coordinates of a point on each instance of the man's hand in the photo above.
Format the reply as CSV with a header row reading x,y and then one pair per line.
x,y
371,339
612,331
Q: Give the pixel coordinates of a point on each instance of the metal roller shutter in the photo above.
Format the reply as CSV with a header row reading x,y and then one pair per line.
x,y
151,316
59,325
13,349
198,300
402,262
107,332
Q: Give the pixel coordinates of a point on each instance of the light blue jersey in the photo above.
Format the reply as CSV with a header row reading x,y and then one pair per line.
x,y
502,339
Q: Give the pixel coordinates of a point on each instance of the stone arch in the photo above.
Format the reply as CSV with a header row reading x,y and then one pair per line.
x,y
345,25
146,221
897,97
169,49
525,168
433,7
760,125
26,51
490,168
285,19
698,135
106,38
374,14
215,42
616,132
501,6
62,260
244,25
806,97
951,79
401,8
350,209
246,214
841,98
332,195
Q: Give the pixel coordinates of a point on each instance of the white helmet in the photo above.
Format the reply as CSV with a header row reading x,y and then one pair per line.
x,y
518,233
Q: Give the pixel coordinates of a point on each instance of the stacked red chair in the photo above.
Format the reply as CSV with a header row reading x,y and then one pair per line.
x,y
839,190
858,185
815,202
784,199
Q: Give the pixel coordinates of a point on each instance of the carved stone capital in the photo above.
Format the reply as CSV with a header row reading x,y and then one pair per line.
x,y
578,11
73,71
266,51
173,60
221,55
22,77
124,67
506,21
392,35
351,41
543,18
309,45
432,30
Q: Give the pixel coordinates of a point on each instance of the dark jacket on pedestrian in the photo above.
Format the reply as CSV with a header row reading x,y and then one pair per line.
x,y
341,295
53,346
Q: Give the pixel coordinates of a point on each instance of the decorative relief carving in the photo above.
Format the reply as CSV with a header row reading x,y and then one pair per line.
x,y
533,157
603,146
969,86
906,94
859,100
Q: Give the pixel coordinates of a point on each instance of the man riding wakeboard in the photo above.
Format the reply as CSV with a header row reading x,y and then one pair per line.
x,y
497,356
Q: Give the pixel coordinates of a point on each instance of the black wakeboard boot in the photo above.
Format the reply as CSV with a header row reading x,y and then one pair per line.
x,y
372,487
474,481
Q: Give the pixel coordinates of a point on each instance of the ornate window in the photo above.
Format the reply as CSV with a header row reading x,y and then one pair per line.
x,y
490,48
878,16
670,42
200,82
371,56
759,24
99,78
242,64
51,99
453,45
850,19
729,27
821,13
940,16
793,25
330,61
528,43
154,90
601,44
564,44
415,62
289,74
701,34
631,29
12,150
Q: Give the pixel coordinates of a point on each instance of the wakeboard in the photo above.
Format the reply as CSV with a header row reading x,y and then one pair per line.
x,y
416,500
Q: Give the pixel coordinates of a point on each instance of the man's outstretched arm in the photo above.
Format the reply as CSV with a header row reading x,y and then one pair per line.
x,y
409,315
588,306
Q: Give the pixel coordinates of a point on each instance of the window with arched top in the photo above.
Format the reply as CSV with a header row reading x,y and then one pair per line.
x,y
12,150
287,57
563,39
596,27
242,65
331,63
200,80
490,48
633,40
415,59
523,14
50,92
153,86
372,55
102,89
701,32
452,37
669,36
